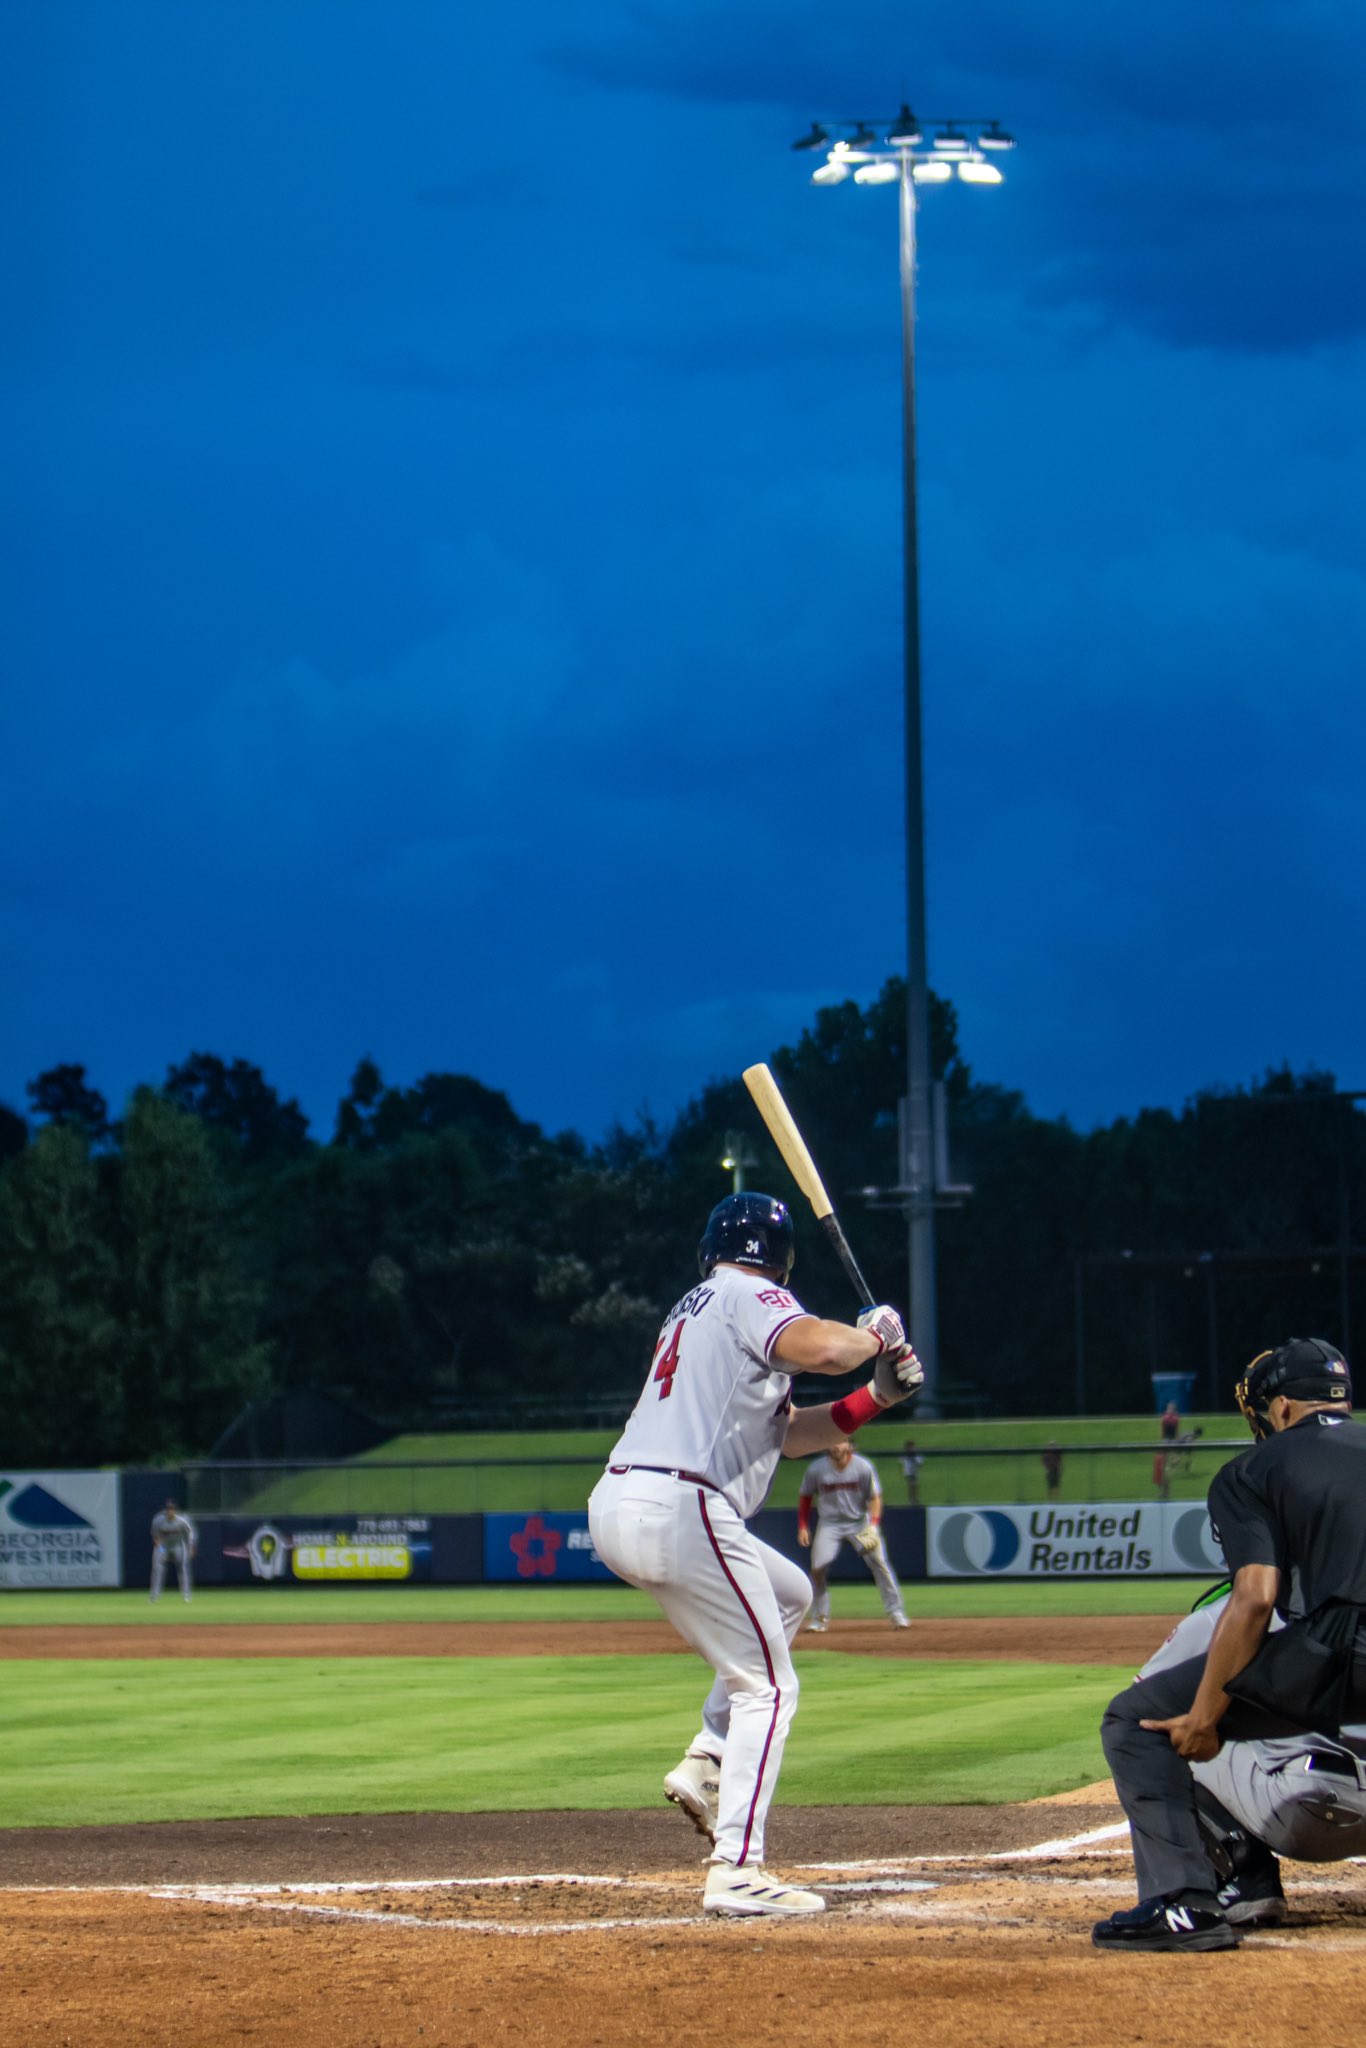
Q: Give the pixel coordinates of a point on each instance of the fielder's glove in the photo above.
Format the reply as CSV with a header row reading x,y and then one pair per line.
x,y
896,1376
867,1537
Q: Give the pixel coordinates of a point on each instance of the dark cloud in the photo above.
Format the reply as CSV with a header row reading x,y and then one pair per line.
x,y
459,508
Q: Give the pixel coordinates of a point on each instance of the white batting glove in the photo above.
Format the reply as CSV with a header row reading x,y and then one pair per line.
x,y
896,1376
886,1325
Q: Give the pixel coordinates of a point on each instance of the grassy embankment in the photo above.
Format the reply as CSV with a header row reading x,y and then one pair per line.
x,y
512,1469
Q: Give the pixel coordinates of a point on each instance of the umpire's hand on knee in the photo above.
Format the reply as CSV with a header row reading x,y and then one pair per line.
x,y
1196,1741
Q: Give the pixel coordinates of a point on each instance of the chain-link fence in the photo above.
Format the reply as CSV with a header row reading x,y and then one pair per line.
x,y
1073,1472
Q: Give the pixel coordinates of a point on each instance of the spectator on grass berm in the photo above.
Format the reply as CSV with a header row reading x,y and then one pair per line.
x,y
1050,1457
1170,1422
1290,1515
1182,1459
911,1462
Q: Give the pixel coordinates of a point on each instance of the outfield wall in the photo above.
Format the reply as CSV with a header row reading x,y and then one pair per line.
x,y
92,1529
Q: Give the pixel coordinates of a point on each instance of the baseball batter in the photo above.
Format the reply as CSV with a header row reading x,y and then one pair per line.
x,y
848,1498
1298,1795
696,1459
173,1537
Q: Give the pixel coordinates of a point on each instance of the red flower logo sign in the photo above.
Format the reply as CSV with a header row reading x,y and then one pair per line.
x,y
535,1549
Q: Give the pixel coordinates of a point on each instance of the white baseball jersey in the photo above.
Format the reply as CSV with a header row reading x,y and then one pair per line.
x,y
843,1498
714,1404
173,1532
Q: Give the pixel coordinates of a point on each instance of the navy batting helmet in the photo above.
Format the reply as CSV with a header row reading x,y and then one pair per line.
x,y
748,1230
1305,1368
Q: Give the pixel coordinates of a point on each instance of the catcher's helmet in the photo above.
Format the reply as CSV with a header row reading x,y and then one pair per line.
x,y
748,1230
1305,1368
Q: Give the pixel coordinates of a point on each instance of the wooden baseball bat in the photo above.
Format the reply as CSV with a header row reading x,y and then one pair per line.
x,y
768,1100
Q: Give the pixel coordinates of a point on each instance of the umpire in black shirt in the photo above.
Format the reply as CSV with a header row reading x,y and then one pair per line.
x,y
1291,1516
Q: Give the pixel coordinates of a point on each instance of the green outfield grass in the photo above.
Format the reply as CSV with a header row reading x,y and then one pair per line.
x,y
1008,1468
114,1741
291,1605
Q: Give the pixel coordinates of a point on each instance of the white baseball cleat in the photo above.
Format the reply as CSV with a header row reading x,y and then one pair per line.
x,y
696,1787
746,1888
818,1624
900,1621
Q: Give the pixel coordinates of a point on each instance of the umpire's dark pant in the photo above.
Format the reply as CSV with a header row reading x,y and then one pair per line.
x,y
1155,1785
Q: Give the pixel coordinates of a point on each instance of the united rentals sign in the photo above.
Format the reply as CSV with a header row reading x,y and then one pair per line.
x,y
1110,1539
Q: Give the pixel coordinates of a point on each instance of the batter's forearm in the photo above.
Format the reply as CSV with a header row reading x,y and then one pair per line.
x,y
810,1430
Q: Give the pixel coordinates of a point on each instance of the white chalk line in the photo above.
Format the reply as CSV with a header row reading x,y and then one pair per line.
x,y
256,1901
1066,1845
860,1876
422,1884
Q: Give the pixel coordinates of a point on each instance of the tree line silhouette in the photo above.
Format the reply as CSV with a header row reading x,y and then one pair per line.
x,y
440,1261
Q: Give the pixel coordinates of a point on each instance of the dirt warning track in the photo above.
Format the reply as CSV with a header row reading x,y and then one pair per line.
x,y
1064,1639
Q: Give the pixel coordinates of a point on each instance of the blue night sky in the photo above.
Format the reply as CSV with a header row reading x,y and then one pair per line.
x,y
452,542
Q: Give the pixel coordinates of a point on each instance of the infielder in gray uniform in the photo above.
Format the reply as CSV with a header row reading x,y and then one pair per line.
x,y
173,1537
1302,1796
849,1510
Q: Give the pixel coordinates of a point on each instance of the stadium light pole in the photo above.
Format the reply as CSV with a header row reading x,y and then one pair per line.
x,y
900,152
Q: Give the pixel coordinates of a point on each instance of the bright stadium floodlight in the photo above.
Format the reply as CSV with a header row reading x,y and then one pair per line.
x,y
906,161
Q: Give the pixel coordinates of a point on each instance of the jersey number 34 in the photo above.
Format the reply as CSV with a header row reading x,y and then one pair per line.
x,y
667,1360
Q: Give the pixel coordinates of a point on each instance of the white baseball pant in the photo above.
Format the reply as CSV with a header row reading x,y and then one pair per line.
x,y
180,1558
825,1546
738,1603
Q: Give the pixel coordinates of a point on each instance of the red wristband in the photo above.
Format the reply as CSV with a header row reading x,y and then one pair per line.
x,y
855,1409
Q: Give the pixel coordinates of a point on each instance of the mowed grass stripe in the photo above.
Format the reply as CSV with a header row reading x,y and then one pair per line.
x,y
119,1741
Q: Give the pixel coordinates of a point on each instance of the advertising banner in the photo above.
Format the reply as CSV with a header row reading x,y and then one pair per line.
x,y
345,1550
59,1529
1105,1539
535,1548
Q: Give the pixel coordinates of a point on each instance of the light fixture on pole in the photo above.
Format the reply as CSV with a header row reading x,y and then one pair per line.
x,y
738,1157
902,156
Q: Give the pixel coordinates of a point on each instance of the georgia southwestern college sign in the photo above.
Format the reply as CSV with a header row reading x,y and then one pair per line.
x,y
59,1529
1108,1539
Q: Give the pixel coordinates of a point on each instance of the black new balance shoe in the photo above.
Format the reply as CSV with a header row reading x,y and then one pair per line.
x,y
1161,1924
1254,1900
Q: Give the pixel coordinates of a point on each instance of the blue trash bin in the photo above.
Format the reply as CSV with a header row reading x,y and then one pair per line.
x,y
1173,1386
